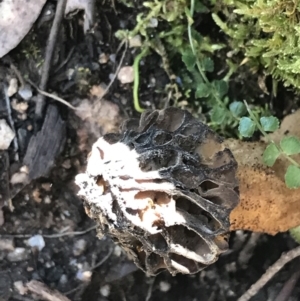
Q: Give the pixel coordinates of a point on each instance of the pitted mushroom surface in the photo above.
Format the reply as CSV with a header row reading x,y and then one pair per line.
x,y
163,189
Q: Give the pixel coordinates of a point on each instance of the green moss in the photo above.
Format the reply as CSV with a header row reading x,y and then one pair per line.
x,y
267,32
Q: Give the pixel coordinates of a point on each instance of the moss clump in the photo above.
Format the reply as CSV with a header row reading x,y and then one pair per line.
x,y
267,32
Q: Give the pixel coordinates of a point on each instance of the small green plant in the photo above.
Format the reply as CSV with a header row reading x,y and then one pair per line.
x,y
187,59
287,147
267,32
295,233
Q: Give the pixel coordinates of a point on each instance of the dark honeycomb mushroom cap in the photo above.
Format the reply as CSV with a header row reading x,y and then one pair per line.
x,y
163,189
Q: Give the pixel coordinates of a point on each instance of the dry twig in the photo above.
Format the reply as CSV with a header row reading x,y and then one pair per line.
x,y
56,235
43,291
118,68
97,265
60,9
50,95
271,271
288,287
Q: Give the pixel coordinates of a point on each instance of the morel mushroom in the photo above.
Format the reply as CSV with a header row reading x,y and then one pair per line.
x,y
163,189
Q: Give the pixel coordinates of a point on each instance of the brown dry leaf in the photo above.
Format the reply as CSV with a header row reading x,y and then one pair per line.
x,y
266,205
12,14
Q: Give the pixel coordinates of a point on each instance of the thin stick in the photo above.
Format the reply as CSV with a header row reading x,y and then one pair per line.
x,y
288,287
55,97
65,60
92,268
271,271
60,10
56,235
150,289
97,265
118,68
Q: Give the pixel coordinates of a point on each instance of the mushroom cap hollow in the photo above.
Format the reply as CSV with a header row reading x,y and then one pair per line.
x,y
163,189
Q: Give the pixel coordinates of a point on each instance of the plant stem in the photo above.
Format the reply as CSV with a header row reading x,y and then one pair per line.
x,y
290,159
253,117
137,79
192,8
201,71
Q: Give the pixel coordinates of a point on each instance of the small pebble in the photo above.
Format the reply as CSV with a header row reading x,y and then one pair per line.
x,y
20,107
18,178
19,286
24,168
47,186
111,76
25,92
164,286
36,195
18,254
84,276
126,75
13,87
103,58
63,279
7,244
48,265
135,41
36,241
153,23
117,251
105,290
112,58
6,134
98,90
79,247
67,164
70,73
47,199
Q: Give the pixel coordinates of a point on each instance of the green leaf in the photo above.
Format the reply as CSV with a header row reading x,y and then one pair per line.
x,y
202,91
221,86
270,155
208,64
290,145
237,108
295,233
189,59
200,7
246,127
292,177
269,124
218,115
197,36
189,16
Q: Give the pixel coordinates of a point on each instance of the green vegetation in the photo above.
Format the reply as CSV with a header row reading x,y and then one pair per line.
x,y
295,233
287,147
266,32
166,28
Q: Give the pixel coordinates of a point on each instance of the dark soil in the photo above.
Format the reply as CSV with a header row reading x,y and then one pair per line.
x,y
49,205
